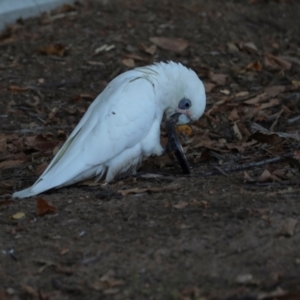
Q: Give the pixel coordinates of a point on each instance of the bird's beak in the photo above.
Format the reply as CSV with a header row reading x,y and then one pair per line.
x,y
180,117
182,111
174,118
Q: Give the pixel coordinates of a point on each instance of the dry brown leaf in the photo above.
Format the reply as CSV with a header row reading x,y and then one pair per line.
x,y
39,142
3,144
64,251
232,48
250,47
63,270
241,94
16,88
225,92
53,49
30,290
171,44
275,90
270,139
233,116
41,168
150,50
266,176
297,154
219,79
128,62
237,132
248,178
6,183
10,164
255,66
276,62
150,190
208,86
288,227
135,57
257,99
271,103
43,207
181,205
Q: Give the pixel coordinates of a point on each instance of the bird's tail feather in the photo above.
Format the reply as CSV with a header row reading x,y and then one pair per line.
x,y
49,181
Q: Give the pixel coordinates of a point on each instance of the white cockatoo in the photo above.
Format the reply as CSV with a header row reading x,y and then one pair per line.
x,y
122,126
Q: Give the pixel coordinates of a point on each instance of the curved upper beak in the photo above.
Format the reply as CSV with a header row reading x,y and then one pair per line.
x,y
180,117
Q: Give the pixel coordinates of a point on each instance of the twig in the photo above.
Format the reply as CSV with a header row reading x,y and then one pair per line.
x,y
245,166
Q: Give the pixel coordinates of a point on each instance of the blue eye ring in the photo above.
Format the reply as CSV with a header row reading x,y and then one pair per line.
x,y
185,104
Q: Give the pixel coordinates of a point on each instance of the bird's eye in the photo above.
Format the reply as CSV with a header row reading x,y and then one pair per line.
x,y
184,103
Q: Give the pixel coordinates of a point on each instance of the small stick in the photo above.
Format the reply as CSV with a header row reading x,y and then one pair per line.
x,y
245,166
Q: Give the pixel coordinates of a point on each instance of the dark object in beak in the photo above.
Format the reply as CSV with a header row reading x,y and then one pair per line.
x,y
174,118
173,147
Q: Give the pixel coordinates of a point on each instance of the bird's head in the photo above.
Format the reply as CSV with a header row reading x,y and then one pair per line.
x,y
188,98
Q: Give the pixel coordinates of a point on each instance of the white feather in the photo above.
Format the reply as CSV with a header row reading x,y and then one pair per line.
x,y
121,126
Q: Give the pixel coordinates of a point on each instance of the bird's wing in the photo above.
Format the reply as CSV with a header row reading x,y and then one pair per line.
x,y
118,119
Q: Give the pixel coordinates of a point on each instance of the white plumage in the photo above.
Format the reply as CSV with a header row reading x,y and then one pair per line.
x,y
122,125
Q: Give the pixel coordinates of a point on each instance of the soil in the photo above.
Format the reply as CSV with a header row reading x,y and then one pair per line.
x,y
195,236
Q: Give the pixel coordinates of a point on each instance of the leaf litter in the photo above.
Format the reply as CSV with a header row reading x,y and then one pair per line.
x,y
251,127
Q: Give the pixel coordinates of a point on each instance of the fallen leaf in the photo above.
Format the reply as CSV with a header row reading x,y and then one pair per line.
x,y
275,90
6,183
180,205
241,94
64,250
41,168
18,215
105,48
225,92
135,57
40,142
3,144
30,290
10,164
255,66
266,176
271,103
275,62
150,190
248,178
257,99
232,48
150,50
219,79
296,83
288,227
53,49
16,88
209,86
171,44
43,207
63,270
237,132
233,116
270,139
128,62
251,47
